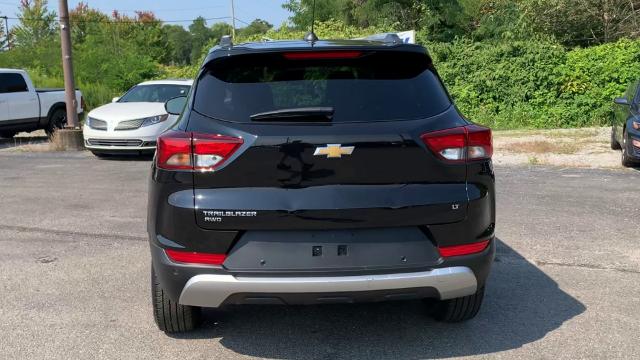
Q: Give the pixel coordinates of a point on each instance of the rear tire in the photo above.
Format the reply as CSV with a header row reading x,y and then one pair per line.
x,y
170,316
458,309
626,160
615,145
7,134
57,120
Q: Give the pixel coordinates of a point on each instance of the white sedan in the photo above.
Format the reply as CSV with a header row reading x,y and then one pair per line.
x,y
132,123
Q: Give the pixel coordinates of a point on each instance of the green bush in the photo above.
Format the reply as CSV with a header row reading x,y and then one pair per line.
x,y
536,84
502,85
95,94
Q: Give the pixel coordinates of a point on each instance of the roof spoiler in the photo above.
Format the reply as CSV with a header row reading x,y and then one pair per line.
x,y
387,38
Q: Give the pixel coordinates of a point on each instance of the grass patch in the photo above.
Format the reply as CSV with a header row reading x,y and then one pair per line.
x,y
585,133
542,147
534,160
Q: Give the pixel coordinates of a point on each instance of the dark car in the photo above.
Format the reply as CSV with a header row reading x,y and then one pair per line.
x,y
320,172
625,131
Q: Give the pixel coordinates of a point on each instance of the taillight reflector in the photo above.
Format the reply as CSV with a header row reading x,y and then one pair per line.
x,y
460,144
193,151
325,55
195,258
466,249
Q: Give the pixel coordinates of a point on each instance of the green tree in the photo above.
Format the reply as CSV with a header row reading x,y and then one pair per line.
x,y
325,10
179,44
37,23
402,14
116,62
218,30
201,35
145,31
496,19
257,27
85,20
587,22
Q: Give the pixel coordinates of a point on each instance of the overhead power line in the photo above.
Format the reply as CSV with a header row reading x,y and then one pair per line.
x,y
115,21
242,21
174,10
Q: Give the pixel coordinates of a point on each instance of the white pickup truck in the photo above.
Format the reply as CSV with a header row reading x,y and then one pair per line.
x,y
25,108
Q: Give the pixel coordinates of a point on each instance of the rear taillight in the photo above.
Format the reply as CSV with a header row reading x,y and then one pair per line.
x,y
174,151
186,257
466,249
465,143
193,151
211,151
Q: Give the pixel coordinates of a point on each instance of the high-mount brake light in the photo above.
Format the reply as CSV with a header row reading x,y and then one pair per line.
x,y
186,257
193,151
460,144
461,250
322,55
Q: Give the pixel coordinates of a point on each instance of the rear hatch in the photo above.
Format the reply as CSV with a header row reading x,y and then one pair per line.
x,y
330,140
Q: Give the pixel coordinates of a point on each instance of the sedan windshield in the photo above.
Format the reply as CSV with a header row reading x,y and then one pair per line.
x,y
154,93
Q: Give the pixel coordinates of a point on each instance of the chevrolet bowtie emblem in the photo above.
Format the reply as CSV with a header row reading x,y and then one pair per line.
x,y
333,151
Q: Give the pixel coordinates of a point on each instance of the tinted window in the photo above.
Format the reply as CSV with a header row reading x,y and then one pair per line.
x,y
12,83
155,93
374,86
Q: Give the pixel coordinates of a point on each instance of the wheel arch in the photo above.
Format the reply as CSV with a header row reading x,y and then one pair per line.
x,y
44,121
54,107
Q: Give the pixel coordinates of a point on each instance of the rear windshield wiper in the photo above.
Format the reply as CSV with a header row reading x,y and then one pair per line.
x,y
307,114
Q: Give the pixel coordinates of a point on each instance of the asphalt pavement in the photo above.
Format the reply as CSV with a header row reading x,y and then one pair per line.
x,y
74,276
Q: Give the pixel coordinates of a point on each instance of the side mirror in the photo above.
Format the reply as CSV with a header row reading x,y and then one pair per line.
x,y
115,99
621,101
175,105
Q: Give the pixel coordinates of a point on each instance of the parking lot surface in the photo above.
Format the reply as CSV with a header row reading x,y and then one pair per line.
x,y
74,276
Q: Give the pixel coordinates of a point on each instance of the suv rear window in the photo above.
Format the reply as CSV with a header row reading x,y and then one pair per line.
x,y
374,86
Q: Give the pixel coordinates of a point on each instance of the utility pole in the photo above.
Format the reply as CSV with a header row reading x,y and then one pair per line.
x,y
233,21
6,25
67,67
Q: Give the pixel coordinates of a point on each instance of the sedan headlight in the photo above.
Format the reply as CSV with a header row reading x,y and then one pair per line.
x,y
96,124
154,120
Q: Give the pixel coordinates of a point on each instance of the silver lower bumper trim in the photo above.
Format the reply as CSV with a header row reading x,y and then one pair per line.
x,y
213,290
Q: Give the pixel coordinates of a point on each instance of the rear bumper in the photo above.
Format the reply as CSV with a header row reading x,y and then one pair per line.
x,y
216,286
214,290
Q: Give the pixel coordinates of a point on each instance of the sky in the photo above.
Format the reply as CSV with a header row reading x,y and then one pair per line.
x,y
246,10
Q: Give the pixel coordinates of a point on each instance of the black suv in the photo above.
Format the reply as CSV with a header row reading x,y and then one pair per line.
x,y
319,172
